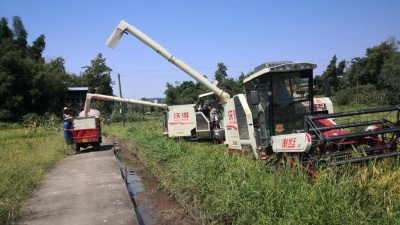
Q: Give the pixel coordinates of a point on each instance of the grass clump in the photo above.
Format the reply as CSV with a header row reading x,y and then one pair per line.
x,y
26,153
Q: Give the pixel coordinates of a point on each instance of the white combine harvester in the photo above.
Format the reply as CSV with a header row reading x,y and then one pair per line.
x,y
179,121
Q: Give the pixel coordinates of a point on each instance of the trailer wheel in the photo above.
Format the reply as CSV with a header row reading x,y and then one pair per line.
x,y
77,147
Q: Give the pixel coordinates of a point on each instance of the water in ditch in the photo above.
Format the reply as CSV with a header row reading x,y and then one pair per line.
x,y
152,204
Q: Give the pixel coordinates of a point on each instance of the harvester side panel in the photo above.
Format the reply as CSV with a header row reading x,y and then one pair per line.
x,y
238,124
241,119
181,121
231,126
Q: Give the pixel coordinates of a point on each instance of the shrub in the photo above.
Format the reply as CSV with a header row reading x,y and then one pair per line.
x,y
129,117
49,122
361,95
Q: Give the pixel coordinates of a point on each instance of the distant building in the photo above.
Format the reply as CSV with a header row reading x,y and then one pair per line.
x,y
75,99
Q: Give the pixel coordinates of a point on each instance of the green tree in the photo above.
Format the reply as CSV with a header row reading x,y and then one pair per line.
x,y
341,67
7,100
170,94
221,74
341,74
233,86
97,78
20,33
56,67
389,79
29,84
37,48
374,77
187,92
7,81
330,75
5,31
58,81
18,71
366,70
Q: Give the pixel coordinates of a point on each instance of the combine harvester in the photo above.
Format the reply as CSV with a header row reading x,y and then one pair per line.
x,y
283,118
179,121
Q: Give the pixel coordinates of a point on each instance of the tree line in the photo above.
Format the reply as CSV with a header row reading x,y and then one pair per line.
x,y
187,92
31,84
370,80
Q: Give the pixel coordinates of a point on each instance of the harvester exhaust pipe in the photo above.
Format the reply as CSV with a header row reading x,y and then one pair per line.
x,y
123,26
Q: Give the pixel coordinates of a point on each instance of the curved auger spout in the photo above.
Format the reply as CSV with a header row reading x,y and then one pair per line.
x,y
124,26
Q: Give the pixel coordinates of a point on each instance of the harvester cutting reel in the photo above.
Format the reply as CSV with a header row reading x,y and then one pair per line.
x,y
353,137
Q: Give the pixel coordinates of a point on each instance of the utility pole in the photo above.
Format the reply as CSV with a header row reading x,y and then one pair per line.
x,y
120,95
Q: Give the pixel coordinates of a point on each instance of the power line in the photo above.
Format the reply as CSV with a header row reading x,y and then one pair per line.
x,y
175,69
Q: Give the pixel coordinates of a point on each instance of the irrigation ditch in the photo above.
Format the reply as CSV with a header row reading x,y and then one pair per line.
x,y
152,204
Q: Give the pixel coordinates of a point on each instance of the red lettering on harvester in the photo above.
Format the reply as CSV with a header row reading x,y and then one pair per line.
x,y
289,143
185,115
232,115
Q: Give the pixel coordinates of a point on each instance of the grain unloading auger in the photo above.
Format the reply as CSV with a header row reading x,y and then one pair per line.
x,y
109,98
283,118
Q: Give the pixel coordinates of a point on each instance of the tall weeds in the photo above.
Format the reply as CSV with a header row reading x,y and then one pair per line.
x,y
26,153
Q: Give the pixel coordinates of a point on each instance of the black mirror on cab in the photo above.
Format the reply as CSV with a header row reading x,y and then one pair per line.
x,y
254,97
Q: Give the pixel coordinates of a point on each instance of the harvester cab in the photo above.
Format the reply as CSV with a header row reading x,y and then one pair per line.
x,y
208,107
280,96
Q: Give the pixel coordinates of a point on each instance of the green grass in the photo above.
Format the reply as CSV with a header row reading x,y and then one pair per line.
x,y
26,154
223,189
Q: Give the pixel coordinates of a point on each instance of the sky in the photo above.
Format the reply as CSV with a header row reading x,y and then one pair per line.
x,y
240,34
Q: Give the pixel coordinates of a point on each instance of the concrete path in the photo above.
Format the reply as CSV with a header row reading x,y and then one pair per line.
x,y
82,189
